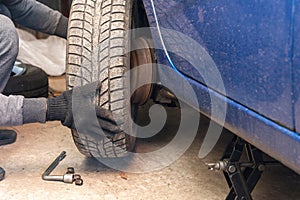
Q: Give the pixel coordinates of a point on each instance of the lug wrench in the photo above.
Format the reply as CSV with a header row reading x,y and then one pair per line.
x,y
69,177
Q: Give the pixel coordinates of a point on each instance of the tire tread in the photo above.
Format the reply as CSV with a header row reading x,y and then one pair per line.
x,y
95,52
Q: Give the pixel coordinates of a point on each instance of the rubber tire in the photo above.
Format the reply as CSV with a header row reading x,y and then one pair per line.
x,y
33,83
98,27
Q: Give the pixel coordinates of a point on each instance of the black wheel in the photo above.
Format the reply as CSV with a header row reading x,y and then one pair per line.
x,y
27,80
97,42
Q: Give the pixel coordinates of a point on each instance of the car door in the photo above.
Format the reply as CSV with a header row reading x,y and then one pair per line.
x,y
251,45
296,65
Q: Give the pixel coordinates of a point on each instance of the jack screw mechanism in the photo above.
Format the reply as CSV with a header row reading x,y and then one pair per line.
x,y
218,166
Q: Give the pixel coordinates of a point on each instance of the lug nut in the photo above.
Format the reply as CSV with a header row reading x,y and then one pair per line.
x,y
70,170
76,176
79,182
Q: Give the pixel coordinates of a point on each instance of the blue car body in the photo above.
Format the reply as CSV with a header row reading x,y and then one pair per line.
x,y
255,46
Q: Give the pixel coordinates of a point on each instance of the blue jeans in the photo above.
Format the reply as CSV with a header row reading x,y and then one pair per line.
x,y
9,48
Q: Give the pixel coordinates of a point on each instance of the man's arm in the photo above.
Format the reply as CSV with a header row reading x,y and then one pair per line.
x,y
34,15
11,110
16,110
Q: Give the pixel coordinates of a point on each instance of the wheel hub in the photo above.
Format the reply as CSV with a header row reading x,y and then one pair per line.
x,y
141,56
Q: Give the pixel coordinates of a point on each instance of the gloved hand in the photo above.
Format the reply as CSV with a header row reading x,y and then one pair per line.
x,y
60,108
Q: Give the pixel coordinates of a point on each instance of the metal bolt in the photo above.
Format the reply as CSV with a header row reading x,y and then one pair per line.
x,y
231,169
261,168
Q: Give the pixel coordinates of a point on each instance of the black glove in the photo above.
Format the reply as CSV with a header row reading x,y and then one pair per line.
x,y
60,108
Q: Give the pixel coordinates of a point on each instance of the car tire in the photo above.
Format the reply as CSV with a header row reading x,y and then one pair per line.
x,y
32,83
97,42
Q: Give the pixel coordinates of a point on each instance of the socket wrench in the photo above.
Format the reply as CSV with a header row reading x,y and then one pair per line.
x,y
68,177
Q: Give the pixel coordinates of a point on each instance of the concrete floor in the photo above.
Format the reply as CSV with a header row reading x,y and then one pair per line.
x,y
188,178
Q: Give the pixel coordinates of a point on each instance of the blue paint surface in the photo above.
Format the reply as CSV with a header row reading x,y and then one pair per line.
x,y
256,48
273,139
296,65
250,44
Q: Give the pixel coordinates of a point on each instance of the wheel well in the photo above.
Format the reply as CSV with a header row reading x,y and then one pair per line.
x,y
159,93
140,20
139,14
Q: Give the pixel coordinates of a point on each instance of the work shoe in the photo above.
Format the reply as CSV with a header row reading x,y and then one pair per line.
x,y
2,173
7,137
